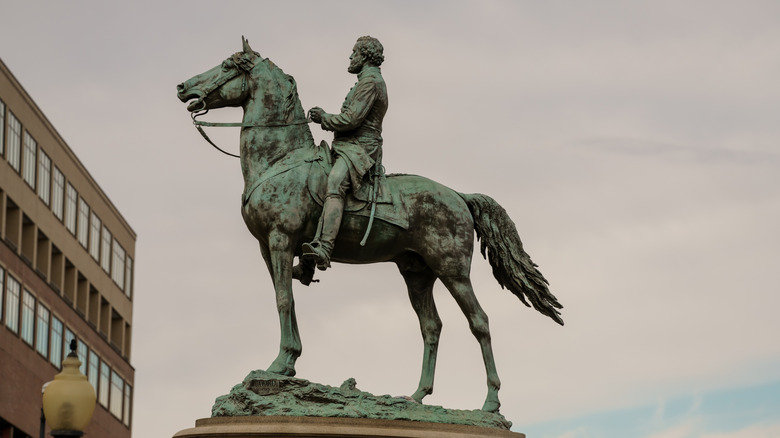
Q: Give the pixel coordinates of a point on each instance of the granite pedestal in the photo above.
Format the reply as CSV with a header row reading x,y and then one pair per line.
x,y
321,427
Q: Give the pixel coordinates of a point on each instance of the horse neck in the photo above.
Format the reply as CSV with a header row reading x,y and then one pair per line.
x,y
263,145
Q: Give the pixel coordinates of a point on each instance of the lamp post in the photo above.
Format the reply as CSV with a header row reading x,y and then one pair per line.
x,y
69,400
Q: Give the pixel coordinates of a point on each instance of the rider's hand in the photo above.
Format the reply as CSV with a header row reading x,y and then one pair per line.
x,y
316,114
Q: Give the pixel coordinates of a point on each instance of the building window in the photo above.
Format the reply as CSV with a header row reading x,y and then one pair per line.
x,y
56,342
105,373
2,132
105,259
12,291
57,193
93,370
129,278
28,317
128,401
44,176
14,141
82,353
117,385
70,208
42,343
94,237
30,152
83,223
118,268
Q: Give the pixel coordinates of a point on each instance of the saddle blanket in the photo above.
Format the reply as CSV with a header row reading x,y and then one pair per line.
x,y
389,204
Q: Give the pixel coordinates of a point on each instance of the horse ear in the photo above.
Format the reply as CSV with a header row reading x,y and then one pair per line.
x,y
245,43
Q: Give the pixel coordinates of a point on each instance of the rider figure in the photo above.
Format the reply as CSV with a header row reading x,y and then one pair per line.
x,y
357,142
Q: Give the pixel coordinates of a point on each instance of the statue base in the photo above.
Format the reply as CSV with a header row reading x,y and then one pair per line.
x,y
264,394
322,427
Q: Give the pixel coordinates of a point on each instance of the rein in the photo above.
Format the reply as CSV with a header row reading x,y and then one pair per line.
x,y
216,85
199,123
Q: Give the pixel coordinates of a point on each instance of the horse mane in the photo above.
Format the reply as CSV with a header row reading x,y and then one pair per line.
x,y
282,90
288,89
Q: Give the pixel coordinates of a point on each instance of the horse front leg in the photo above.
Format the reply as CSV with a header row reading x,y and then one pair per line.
x,y
279,258
420,288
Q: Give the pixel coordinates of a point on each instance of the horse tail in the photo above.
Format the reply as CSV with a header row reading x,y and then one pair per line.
x,y
512,266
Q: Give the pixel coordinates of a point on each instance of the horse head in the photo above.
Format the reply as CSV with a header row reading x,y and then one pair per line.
x,y
268,95
227,84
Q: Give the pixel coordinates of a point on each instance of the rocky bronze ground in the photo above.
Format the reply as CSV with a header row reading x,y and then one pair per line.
x,y
269,394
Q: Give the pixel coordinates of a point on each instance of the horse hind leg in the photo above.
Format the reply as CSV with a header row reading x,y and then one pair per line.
x,y
420,287
463,292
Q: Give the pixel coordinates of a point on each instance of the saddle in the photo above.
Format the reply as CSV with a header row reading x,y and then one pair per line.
x,y
389,204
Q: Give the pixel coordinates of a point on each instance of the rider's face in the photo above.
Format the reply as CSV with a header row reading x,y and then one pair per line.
x,y
356,61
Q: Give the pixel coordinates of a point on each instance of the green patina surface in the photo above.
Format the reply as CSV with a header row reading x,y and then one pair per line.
x,y
269,394
435,241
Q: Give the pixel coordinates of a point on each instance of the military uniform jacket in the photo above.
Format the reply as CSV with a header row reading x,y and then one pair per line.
x,y
358,128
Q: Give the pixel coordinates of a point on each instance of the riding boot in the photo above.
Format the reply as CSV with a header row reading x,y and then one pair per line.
x,y
319,250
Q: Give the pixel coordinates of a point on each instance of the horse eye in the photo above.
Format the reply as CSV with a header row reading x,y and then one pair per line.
x,y
226,65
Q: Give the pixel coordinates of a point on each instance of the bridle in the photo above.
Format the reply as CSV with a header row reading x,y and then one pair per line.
x,y
240,66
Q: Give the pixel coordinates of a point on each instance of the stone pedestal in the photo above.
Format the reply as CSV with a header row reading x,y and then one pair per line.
x,y
321,427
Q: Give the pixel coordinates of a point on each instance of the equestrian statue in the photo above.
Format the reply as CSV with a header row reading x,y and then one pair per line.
x,y
326,204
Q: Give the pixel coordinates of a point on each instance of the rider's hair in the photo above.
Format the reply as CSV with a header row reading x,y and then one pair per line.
x,y
371,49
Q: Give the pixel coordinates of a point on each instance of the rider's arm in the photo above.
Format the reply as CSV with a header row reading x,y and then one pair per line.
x,y
355,108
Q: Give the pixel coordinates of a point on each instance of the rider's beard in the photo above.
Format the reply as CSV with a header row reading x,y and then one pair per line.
x,y
355,65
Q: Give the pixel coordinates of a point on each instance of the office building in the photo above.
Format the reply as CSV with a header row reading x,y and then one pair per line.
x,y
66,272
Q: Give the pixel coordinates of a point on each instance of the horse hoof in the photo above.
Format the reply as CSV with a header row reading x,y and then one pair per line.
x,y
281,369
420,394
491,406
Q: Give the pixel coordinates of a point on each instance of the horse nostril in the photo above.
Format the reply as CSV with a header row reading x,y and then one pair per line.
x,y
180,87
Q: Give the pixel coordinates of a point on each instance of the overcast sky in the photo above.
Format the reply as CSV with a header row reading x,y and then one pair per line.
x,y
634,144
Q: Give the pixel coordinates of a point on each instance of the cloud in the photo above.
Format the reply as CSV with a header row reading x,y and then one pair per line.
x,y
632,144
696,428
687,429
579,433
754,431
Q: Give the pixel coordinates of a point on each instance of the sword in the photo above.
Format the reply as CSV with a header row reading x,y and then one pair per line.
x,y
375,183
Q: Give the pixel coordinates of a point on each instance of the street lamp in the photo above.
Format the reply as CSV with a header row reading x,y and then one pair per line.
x,y
69,400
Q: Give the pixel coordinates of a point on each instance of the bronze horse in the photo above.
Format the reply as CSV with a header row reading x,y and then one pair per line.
x,y
281,214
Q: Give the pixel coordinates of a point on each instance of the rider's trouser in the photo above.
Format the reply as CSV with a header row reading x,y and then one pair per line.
x,y
338,179
333,209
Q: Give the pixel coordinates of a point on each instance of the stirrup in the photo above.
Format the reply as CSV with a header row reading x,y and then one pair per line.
x,y
314,251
